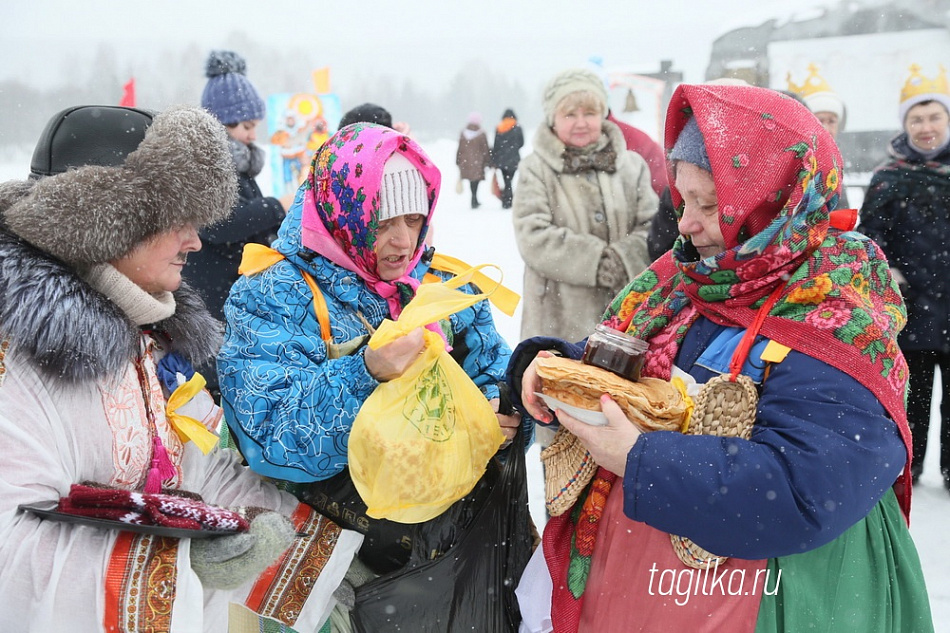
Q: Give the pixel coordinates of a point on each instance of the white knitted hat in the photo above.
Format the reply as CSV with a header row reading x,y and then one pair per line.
x,y
572,80
403,190
825,102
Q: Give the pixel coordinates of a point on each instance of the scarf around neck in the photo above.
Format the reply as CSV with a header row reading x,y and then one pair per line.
x,y
507,124
598,156
777,176
142,308
341,204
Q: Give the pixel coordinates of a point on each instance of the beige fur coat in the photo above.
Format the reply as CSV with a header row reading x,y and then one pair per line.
x,y
563,223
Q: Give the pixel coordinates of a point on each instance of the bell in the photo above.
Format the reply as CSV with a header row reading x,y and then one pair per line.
x,y
631,103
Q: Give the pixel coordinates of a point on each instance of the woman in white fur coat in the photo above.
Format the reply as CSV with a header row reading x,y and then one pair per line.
x,y
98,338
581,211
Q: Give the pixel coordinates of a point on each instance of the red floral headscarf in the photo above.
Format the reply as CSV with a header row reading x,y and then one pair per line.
x,y
778,175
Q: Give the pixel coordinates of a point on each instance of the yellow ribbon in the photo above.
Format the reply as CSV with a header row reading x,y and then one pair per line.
x,y
503,298
257,257
186,427
680,385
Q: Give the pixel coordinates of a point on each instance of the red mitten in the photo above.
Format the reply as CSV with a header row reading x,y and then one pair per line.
x,y
102,503
176,511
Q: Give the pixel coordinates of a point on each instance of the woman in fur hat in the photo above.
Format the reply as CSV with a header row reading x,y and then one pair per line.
x,y
795,517
581,211
102,411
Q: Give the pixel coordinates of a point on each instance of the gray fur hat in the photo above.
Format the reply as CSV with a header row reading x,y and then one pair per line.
x,y
181,173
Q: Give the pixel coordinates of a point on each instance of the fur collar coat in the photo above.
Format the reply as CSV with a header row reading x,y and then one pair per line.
x,y
564,223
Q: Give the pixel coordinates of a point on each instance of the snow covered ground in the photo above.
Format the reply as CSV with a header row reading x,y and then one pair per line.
x,y
485,236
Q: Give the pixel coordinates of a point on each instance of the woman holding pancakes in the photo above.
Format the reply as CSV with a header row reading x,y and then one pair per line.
x,y
781,502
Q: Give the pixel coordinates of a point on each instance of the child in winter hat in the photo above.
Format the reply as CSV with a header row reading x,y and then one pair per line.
x,y
571,81
229,95
256,217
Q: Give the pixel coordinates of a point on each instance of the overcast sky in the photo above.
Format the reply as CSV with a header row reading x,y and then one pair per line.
x,y
423,40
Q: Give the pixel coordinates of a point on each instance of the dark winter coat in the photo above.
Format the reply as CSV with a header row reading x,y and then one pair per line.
x,y
664,227
505,152
907,212
474,155
213,269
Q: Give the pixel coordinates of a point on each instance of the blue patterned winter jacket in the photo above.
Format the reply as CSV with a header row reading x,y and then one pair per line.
x,y
288,404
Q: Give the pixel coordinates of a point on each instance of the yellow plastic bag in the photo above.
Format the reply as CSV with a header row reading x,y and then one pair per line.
x,y
422,441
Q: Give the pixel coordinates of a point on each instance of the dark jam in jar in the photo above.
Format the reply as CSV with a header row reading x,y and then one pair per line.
x,y
615,351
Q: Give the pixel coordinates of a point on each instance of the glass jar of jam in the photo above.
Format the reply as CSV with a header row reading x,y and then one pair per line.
x,y
615,351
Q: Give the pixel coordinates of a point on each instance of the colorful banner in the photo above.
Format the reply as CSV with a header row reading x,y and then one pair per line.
x,y
299,123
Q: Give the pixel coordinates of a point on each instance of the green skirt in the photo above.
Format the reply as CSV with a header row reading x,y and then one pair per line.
x,y
868,580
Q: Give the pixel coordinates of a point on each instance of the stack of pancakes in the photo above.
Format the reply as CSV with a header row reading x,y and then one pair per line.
x,y
651,403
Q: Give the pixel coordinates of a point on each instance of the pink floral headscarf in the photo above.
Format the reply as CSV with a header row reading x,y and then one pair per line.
x,y
341,203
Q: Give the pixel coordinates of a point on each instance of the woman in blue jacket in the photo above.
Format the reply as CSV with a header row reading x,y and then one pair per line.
x,y
293,382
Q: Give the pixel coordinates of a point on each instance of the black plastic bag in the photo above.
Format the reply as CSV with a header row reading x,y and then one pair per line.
x,y
388,545
471,587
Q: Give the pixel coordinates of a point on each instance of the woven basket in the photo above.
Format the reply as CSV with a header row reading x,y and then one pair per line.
x,y
726,408
568,468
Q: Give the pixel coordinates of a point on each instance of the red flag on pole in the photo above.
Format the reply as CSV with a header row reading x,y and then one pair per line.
x,y
128,94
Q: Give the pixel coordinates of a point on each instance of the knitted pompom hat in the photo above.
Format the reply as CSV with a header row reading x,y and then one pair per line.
x,y
229,95
568,81
180,173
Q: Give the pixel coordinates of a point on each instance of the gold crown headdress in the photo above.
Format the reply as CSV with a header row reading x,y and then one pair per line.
x,y
813,83
917,85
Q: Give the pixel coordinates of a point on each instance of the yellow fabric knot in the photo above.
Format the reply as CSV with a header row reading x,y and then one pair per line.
x,y
186,427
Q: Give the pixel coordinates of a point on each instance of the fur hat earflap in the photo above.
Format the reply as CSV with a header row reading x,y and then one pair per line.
x,y
11,192
180,174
